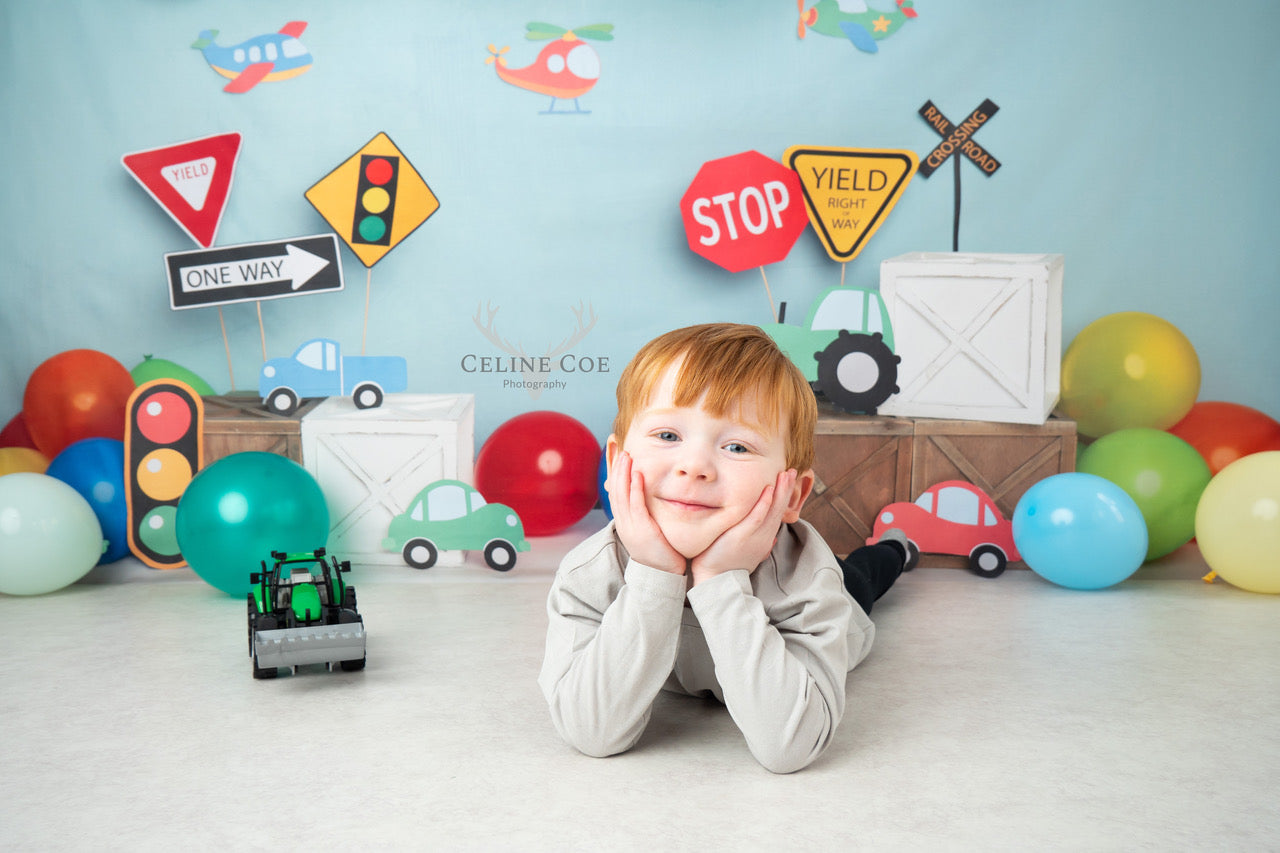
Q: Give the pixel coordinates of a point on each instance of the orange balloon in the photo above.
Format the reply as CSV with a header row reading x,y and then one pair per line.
x,y
1224,432
77,394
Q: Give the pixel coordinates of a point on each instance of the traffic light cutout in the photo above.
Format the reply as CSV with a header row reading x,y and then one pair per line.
x,y
375,199
162,450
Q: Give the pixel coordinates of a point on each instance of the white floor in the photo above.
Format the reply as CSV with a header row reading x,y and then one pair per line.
x,y
1004,714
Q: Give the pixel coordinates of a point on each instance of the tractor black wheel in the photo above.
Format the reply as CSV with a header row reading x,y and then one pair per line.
x,y
260,672
353,665
858,372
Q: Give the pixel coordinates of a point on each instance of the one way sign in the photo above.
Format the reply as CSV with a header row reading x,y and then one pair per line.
x,y
252,271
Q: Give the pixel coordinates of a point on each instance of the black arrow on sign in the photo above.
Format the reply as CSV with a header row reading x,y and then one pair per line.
x,y
958,139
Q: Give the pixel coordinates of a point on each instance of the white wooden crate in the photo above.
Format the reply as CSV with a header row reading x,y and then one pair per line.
x,y
980,335
370,463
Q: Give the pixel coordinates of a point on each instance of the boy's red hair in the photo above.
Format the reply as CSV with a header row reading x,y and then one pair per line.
x,y
720,365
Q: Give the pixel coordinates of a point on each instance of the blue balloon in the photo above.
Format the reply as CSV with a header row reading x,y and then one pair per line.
x,y
601,476
94,467
1080,531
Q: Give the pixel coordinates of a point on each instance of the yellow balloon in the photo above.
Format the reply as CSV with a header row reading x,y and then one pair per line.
x,y
1238,523
1129,370
22,459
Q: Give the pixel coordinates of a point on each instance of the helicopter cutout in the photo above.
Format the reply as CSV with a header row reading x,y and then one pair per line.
x,y
566,69
854,20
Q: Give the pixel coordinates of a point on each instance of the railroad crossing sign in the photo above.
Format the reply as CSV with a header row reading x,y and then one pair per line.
x,y
374,199
253,271
958,140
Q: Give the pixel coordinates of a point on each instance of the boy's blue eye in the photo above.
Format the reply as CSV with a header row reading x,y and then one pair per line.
x,y
735,447
667,435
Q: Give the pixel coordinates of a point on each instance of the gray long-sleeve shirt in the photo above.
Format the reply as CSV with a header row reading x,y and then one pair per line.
x,y
774,645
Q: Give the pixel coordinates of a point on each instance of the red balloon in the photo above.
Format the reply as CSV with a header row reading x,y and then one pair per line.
x,y
1224,432
16,434
77,394
542,465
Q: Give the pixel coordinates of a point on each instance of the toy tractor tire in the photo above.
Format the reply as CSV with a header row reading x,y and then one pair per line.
x,y
858,372
353,665
259,672
987,561
420,553
500,555
282,401
367,396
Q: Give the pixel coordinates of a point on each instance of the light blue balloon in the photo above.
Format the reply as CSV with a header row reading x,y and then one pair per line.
x,y
49,536
1080,531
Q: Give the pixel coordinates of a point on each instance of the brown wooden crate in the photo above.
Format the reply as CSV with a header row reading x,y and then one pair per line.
x,y
239,422
861,463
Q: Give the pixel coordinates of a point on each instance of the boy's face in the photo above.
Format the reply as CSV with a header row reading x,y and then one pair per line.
x,y
703,474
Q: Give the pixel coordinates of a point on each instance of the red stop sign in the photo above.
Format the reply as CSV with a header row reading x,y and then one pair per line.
x,y
743,211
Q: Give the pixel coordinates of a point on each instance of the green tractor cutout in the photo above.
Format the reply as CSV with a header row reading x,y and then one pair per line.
x,y
845,349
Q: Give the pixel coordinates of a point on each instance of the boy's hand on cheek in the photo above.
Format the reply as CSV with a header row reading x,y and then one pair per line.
x,y
748,542
636,529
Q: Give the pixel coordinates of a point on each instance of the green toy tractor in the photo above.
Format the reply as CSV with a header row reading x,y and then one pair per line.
x,y
302,611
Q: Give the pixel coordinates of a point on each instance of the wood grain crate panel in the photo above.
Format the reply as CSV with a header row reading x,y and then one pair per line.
x,y
239,423
861,463
1004,460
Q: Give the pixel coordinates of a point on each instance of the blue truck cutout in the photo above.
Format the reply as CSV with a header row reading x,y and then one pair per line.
x,y
319,369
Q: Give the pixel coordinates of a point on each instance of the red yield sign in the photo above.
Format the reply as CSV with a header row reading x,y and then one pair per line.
x,y
743,211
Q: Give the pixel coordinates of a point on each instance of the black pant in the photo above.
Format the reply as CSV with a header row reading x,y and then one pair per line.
x,y
871,570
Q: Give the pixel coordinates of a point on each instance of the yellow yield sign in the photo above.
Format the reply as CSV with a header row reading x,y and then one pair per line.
x,y
374,199
849,191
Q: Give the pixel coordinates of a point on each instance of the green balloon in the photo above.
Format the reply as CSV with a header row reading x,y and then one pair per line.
x,y
234,513
1163,474
161,368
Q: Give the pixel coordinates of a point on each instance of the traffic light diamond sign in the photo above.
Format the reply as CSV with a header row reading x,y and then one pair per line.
x,y
743,211
374,199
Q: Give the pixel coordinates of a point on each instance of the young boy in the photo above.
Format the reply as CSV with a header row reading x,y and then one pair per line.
x,y
707,581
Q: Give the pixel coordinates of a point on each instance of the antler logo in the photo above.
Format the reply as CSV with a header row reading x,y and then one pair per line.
x,y
534,370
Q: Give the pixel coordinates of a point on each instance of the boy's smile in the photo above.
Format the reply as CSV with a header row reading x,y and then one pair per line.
x,y
702,473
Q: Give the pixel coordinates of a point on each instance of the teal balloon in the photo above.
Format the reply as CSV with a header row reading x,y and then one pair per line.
x,y
234,513
49,535
1163,474
1080,531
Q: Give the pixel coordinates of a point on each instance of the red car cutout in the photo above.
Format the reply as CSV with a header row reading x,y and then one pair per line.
x,y
953,517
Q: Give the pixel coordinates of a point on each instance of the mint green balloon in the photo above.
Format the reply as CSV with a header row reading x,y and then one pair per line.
x,y
50,536
234,513
1163,474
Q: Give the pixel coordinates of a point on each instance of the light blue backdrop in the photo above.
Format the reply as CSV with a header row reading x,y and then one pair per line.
x,y
1137,139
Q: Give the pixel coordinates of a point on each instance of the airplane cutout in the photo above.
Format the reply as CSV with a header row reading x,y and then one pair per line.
x,y
269,57
854,20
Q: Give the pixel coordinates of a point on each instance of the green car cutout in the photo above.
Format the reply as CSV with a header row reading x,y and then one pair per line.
x,y
450,515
